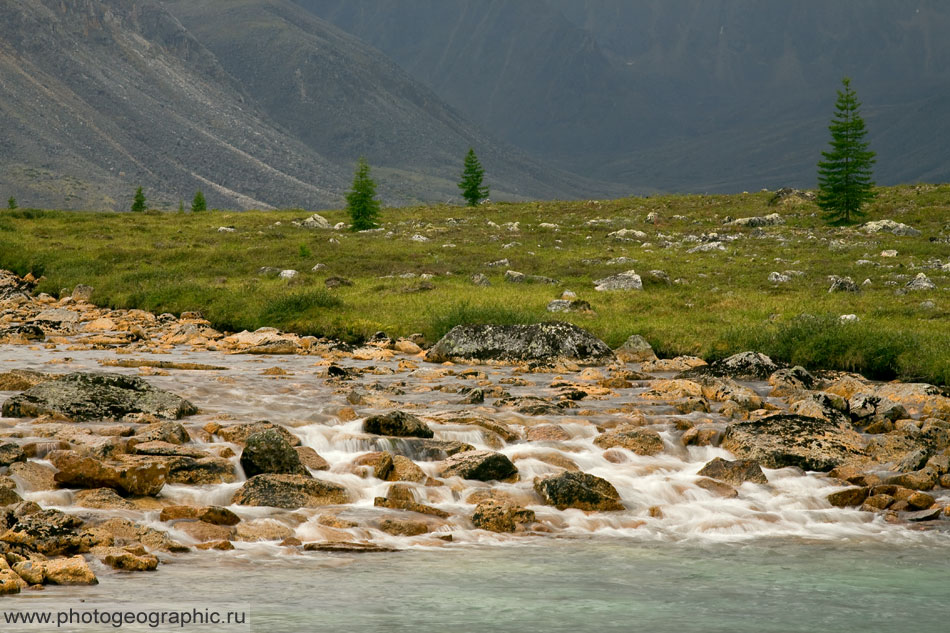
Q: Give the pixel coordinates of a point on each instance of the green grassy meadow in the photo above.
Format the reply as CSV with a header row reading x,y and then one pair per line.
x,y
720,302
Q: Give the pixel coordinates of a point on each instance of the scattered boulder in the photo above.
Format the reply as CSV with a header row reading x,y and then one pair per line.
x,y
635,349
130,474
793,440
734,472
289,491
890,226
316,221
640,441
742,366
772,219
69,571
920,282
48,532
11,453
842,284
96,396
501,517
578,490
541,342
22,379
480,466
397,424
269,452
628,280
238,433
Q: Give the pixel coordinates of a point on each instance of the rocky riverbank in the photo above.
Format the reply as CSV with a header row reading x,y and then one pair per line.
x,y
126,437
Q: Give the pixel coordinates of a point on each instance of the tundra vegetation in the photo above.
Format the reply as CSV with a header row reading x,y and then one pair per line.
x,y
710,301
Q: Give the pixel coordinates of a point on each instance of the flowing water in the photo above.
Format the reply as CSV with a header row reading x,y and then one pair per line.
x,y
776,558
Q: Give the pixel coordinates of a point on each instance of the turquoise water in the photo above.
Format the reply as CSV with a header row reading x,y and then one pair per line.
x,y
566,585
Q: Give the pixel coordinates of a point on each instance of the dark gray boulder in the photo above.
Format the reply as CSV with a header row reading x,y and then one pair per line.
x,y
578,490
479,465
734,472
794,440
539,342
96,396
742,366
397,424
269,452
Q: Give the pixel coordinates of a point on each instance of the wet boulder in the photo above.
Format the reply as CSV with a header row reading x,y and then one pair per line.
x,y
640,441
501,517
742,366
290,492
135,475
269,452
397,424
849,497
793,440
635,349
480,466
578,490
238,433
49,532
735,472
96,396
11,453
69,571
540,342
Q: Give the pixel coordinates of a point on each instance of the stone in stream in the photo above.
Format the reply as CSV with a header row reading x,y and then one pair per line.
x,y
238,433
171,432
397,424
734,472
290,492
540,342
22,379
849,497
69,571
48,532
136,475
742,366
11,453
501,517
418,448
640,441
480,466
269,452
578,490
82,397
793,440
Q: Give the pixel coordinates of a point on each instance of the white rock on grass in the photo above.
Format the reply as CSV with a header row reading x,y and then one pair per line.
x,y
628,280
890,226
287,274
848,318
920,282
628,234
316,221
779,278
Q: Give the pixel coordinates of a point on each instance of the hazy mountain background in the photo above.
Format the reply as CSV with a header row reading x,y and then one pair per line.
x,y
269,102
682,95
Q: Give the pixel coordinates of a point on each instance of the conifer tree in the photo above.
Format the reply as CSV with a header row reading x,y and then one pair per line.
x,y
11,203
198,203
361,202
845,178
138,204
472,177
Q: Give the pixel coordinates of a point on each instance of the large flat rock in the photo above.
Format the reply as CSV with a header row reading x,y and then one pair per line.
x,y
539,342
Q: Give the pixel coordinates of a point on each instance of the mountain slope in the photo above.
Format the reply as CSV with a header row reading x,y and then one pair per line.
x,y
696,95
255,102
345,100
100,96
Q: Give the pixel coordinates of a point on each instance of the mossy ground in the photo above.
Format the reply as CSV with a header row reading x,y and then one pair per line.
x,y
172,262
